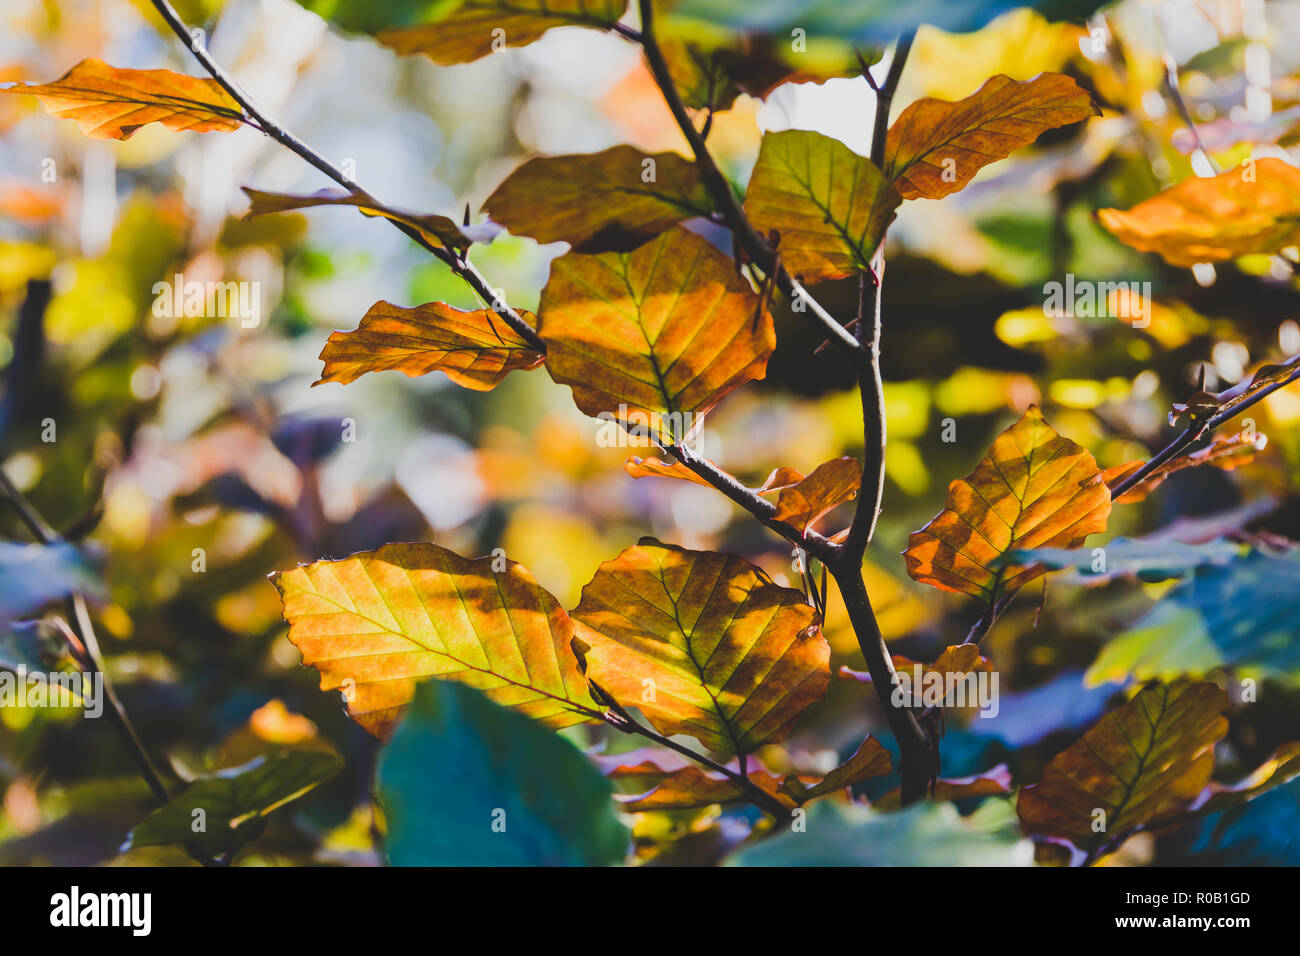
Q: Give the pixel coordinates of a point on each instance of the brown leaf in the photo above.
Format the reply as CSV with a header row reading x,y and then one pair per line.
x,y
1153,755
599,202
829,205
809,499
376,623
673,782
112,103
1034,489
935,147
439,230
871,759
475,349
1216,218
475,28
702,644
991,783
1226,453
667,330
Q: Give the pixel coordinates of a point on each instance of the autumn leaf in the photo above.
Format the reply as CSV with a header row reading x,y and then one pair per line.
x,y
1141,760
993,782
829,205
935,147
439,230
599,202
112,103
378,622
1251,210
669,329
475,28
1279,770
475,349
809,499
669,781
954,659
871,759
702,644
1227,453
639,467
1034,489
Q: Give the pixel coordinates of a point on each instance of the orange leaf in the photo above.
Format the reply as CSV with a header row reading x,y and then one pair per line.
x,y
1217,218
112,103
376,623
1034,489
475,349
1141,761
675,783
1226,453
655,467
702,644
871,759
667,330
809,499
936,147
991,783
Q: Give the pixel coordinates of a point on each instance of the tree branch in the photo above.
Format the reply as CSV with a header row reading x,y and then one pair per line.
x,y
458,262
755,246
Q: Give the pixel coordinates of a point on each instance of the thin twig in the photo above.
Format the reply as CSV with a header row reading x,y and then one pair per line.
x,y
458,262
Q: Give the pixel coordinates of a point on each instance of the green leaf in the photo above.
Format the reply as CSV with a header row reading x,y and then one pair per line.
x,y
466,782
234,802
830,206
1239,614
928,834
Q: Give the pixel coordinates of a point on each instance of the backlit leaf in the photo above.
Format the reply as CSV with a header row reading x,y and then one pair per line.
x,y
1033,489
1140,761
830,206
1227,453
475,349
112,103
475,28
673,782
935,147
466,782
599,202
377,623
871,759
439,230
235,802
702,644
1255,209
639,467
808,500
669,329
1279,770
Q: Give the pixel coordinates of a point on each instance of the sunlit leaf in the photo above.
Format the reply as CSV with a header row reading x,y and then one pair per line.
x,y
639,467
935,147
829,205
600,202
672,782
376,623
112,103
1228,452
1277,771
669,329
235,802
439,230
1254,209
871,759
808,500
466,782
1152,755
475,28
1033,489
702,644
475,349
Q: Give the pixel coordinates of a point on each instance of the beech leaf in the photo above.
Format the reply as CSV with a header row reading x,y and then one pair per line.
x,y
378,622
1034,489
475,349
809,499
702,644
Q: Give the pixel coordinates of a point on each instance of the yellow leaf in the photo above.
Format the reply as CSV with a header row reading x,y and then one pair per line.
x,y
1255,209
112,103
598,202
702,644
935,147
475,349
829,206
1034,489
378,622
639,467
669,329
1153,755
475,28
809,499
